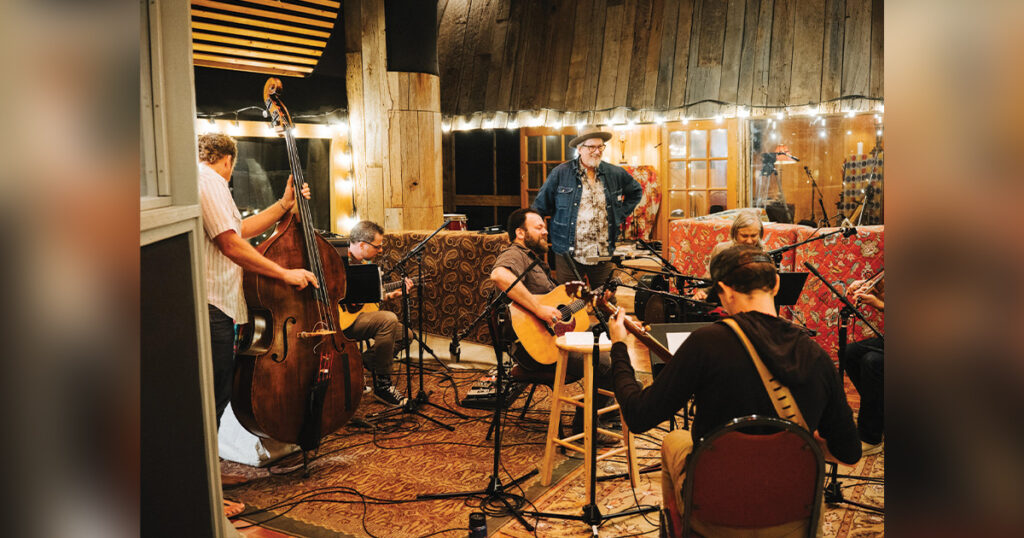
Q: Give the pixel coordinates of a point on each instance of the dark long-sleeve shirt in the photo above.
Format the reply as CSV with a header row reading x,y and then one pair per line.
x,y
714,368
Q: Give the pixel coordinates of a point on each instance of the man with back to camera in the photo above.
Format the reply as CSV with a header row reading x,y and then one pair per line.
x,y
587,200
714,368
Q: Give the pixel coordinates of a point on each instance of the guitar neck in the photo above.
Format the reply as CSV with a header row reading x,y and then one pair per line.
x,y
638,331
392,286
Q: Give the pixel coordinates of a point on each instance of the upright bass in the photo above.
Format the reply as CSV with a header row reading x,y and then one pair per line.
x,y
297,377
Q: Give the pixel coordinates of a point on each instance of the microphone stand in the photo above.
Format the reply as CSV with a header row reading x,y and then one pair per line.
x,y
833,489
495,489
591,512
821,196
422,398
776,254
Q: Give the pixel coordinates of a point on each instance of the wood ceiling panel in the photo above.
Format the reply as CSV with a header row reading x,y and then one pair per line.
x,y
288,39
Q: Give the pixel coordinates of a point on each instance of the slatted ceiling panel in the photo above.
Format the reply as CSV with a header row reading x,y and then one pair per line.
x,y
262,36
196,25
252,43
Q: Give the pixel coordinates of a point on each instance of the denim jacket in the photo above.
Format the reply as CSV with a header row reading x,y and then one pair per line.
x,y
559,198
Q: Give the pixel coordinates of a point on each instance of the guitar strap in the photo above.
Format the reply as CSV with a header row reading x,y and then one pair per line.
x,y
782,399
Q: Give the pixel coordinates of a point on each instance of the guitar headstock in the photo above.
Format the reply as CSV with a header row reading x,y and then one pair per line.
x,y
280,119
577,289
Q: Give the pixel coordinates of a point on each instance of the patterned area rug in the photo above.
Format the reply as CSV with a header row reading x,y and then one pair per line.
x,y
365,482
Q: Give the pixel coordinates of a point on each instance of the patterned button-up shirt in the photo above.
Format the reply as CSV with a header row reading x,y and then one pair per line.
x,y
592,220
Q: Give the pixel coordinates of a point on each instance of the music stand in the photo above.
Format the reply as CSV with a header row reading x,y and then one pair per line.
x,y
790,287
363,284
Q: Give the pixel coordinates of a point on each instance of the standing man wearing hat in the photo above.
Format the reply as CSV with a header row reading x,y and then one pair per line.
x,y
587,200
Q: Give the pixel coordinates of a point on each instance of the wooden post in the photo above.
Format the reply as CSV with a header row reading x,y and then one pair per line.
x,y
395,126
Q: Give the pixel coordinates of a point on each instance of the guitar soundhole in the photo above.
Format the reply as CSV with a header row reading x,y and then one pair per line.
x,y
567,323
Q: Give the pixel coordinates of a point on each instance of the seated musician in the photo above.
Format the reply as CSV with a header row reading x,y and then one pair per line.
x,y
529,237
747,229
365,243
864,364
715,369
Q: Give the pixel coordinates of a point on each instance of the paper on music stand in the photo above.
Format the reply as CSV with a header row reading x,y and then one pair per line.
x,y
675,340
583,338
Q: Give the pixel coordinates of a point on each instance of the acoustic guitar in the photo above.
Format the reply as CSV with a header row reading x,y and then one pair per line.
x,y
347,313
537,336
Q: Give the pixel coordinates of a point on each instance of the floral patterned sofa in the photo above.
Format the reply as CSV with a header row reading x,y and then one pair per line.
x,y
839,259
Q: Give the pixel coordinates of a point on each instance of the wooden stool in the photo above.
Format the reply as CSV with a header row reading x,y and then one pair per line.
x,y
586,401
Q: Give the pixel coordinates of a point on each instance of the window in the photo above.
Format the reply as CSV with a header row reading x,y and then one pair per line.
x,y
262,171
544,149
701,165
486,167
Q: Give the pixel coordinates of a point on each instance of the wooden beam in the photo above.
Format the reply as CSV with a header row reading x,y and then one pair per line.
x,y
294,7
258,23
234,30
218,63
254,54
265,45
273,15
511,200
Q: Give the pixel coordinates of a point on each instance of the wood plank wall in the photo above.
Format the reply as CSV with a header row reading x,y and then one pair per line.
x,y
592,55
395,129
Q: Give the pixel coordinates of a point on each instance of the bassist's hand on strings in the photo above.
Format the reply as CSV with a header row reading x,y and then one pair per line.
x,y
289,194
300,278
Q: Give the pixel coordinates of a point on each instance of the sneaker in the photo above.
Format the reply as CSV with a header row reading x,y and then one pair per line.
x,y
867,449
387,394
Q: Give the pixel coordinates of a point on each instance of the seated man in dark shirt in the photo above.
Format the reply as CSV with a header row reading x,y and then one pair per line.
x,y
529,237
714,368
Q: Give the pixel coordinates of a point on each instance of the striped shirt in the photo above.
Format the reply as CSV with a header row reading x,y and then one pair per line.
x,y
220,214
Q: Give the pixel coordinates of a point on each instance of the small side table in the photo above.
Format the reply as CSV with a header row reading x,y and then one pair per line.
x,y
586,401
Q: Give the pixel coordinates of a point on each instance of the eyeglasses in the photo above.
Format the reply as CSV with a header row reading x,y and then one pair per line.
x,y
376,247
594,148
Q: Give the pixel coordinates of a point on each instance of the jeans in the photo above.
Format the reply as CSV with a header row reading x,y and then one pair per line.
x,y
222,347
865,365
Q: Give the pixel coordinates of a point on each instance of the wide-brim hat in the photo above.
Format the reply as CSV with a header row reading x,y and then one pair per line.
x,y
727,261
588,133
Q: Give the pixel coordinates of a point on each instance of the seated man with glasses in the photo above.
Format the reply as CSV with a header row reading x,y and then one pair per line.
x,y
365,243
587,200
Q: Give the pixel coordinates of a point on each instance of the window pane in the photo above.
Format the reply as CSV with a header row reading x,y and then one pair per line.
x,y
677,144
532,195
677,200
699,174
719,198
698,203
570,153
553,144
698,144
535,173
533,148
718,174
677,175
719,144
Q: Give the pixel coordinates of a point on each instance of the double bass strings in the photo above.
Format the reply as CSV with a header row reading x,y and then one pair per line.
x,y
312,252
